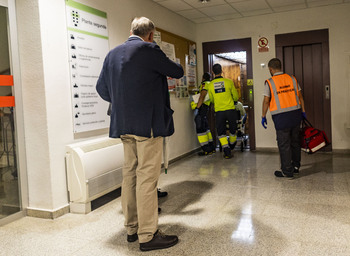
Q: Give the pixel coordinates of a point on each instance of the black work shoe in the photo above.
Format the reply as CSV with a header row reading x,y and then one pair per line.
x,y
227,156
162,194
281,174
227,153
296,170
205,153
159,209
159,241
132,238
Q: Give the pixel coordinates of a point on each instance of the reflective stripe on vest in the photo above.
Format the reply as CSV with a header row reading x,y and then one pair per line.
x,y
275,104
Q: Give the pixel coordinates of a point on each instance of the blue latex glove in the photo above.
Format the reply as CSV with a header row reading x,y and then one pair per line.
x,y
196,111
264,122
303,114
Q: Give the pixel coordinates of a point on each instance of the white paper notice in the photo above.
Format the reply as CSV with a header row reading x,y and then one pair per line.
x,y
191,75
169,50
88,46
193,54
196,97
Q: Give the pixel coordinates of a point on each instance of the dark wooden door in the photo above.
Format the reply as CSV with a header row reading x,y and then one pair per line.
x,y
306,56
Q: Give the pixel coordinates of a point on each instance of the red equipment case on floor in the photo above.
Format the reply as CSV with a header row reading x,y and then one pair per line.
x,y
312,139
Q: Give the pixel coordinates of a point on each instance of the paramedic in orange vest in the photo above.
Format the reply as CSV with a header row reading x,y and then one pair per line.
x,y
283,97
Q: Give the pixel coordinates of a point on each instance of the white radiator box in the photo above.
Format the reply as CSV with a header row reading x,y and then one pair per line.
x,y
94,168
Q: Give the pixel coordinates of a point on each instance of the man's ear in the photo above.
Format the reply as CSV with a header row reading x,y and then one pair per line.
x,y
150,37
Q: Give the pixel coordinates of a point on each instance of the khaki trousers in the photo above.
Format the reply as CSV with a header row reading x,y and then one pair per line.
x,y
141,170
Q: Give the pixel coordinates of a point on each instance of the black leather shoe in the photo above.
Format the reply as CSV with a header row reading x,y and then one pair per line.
x,y
281,174
132,238
159,241
159,209
162,194
227,153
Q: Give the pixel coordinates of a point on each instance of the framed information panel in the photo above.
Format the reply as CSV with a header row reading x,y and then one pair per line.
x,y
87,32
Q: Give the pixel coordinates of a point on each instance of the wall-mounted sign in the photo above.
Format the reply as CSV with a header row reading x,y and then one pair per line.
x,y
263,44
88,45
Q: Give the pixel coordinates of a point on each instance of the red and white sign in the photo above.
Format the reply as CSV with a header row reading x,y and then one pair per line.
x,y
263,44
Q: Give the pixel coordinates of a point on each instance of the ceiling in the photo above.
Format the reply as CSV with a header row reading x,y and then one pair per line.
x,y
216,10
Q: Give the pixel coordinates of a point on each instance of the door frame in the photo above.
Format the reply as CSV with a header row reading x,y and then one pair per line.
x,y
311,37
234,45
18,113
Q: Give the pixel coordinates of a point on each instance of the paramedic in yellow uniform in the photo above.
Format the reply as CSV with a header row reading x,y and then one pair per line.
x,y
201,119
223,94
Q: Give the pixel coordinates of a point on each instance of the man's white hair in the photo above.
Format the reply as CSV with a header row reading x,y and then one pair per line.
x,y
142,26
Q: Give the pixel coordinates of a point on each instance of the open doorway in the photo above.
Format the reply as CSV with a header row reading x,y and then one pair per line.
x,y
234,67
220,51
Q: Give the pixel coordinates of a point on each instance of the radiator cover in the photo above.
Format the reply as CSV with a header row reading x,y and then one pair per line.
x,y
94,168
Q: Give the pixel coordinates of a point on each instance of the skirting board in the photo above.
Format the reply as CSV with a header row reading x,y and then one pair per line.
x,y
273,150
183,156
334,151
341,151
44,214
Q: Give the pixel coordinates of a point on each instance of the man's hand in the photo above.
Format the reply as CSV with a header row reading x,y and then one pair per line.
x,y
303,115
193,105
264,122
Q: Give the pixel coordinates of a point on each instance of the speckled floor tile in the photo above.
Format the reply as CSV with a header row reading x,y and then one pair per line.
x,y
216,207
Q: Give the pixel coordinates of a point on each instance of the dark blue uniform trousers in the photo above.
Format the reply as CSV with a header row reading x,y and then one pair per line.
x,y
288,141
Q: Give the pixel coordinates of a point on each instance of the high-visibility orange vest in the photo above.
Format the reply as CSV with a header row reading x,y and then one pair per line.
x,y
284,94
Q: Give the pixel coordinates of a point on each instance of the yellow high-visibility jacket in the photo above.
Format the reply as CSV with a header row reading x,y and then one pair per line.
x,y
222,93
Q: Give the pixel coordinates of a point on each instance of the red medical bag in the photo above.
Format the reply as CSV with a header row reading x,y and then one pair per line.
x,y
312,139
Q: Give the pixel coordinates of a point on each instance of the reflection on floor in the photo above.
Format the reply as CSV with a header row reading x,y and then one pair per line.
x,y
216,207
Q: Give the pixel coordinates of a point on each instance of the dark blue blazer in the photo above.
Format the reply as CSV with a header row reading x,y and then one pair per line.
x,y
133,79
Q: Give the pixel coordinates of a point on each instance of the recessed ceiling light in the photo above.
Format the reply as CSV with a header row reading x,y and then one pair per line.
x,y
204,1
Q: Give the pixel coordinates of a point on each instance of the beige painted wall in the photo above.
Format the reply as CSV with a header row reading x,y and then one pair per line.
x,y
336,18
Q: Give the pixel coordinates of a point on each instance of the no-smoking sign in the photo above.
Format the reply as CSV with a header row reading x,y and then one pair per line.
x,y
263,44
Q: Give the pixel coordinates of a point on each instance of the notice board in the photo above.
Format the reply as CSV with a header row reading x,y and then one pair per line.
x,y
185,51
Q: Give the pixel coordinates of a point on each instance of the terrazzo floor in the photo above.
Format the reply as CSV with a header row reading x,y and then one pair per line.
x,y
216,207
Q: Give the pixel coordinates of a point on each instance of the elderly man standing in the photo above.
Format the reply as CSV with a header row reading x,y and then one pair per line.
x,y
133,79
